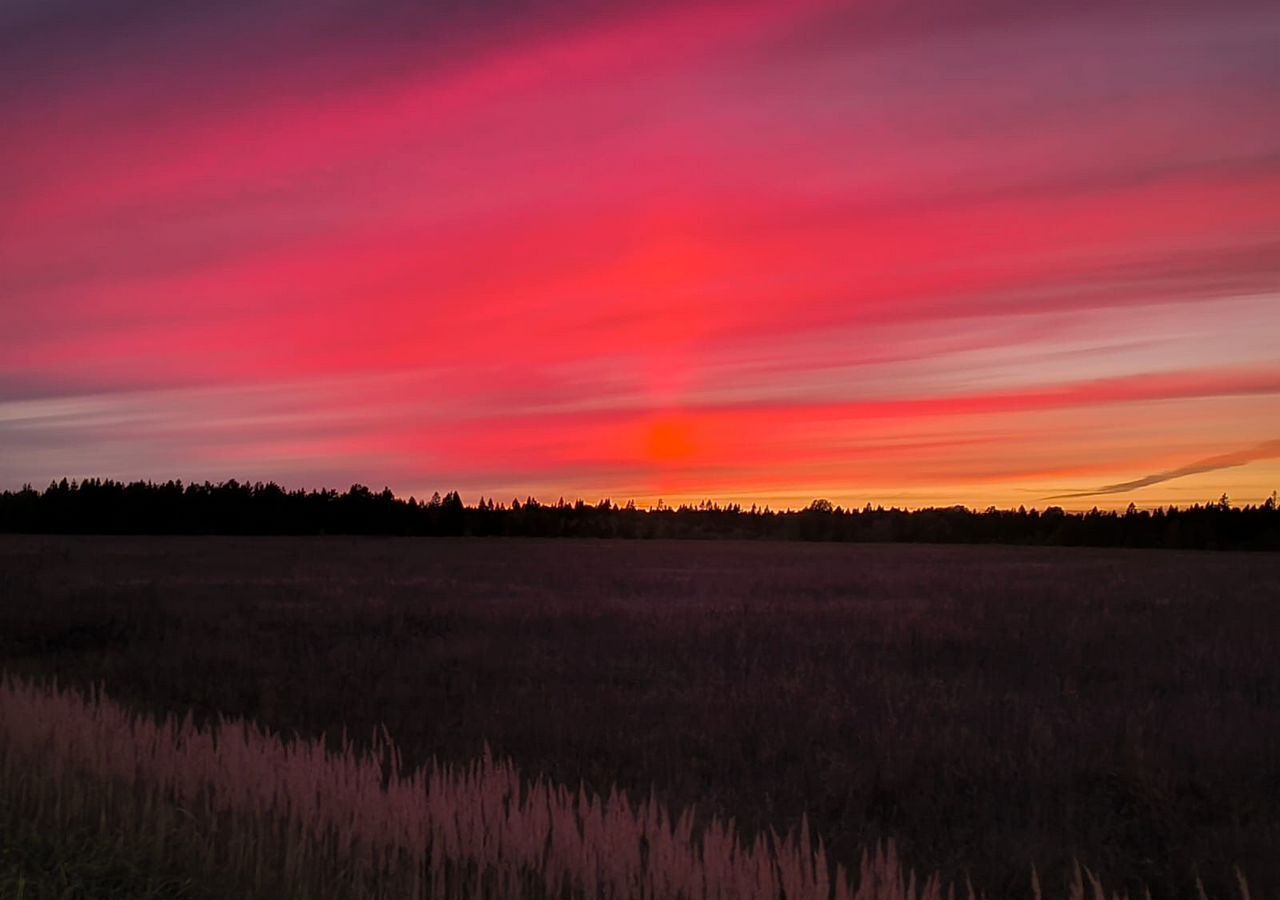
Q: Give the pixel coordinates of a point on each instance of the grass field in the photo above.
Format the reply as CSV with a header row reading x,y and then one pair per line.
x,y
988,707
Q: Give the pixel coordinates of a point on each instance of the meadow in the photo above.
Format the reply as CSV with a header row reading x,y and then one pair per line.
x,y
988,708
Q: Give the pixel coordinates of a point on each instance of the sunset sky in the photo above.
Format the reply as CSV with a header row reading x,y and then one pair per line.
x,y
922,253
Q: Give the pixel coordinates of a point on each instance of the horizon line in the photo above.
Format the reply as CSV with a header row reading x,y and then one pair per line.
x,y
660,504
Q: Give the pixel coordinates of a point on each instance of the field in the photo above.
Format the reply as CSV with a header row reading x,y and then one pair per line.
x,y
989,708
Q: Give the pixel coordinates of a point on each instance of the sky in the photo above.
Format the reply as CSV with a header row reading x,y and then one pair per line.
x,y
979,252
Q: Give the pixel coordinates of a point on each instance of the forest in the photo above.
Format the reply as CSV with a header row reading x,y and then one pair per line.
x,y
104,506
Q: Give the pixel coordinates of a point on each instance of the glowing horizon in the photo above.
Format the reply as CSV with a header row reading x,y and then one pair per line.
x,y
972,254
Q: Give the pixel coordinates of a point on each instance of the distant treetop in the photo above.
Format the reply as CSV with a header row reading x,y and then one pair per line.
x,y
98,506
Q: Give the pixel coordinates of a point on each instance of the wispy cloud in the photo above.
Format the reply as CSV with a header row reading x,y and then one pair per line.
x,y
1265,450
939,252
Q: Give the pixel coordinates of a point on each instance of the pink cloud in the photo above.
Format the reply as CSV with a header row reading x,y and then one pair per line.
x,y
729,246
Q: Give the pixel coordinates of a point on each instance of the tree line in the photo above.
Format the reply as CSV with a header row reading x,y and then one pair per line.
x,y
98,506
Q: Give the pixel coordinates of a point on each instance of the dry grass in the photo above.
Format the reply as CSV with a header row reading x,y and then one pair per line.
x,y
986,708
292,818
293,814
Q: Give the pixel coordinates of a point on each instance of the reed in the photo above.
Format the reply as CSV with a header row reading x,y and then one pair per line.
x,y
294,818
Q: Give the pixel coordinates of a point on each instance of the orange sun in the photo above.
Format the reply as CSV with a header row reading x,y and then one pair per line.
x,y
669,440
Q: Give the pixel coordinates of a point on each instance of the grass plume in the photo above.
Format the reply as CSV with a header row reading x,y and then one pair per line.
x,y
296,819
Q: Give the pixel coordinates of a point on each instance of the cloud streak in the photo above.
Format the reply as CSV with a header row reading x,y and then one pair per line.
x,y
1265,450
531,245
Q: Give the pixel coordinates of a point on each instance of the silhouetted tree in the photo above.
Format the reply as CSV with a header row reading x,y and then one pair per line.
x,y
101,506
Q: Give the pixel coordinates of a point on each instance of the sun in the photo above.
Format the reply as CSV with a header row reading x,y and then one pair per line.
x,y
669,440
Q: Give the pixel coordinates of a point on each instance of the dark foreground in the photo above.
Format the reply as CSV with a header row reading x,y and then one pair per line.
x,y
988,707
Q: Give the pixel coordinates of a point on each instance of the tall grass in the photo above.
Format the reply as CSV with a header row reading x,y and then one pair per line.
x,y
986,707
294,818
